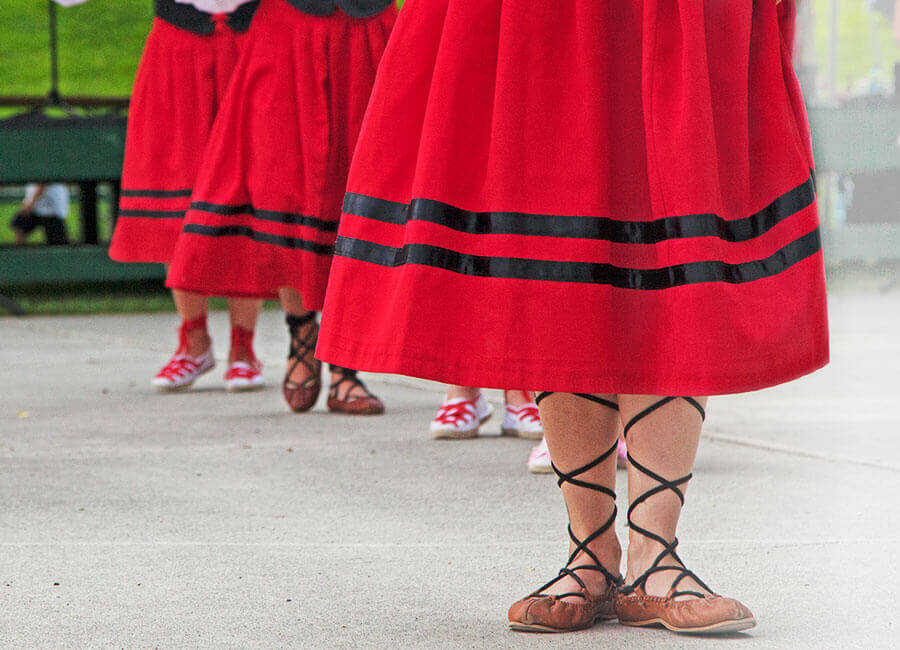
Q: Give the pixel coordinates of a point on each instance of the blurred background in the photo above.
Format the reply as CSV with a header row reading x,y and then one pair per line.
x,y
66,73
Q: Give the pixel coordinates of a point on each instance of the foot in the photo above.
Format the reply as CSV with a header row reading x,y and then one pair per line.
x,y
522,421
193,357
183,370
539,460
568,603
243,376
303,379
349,395
460,418
680,602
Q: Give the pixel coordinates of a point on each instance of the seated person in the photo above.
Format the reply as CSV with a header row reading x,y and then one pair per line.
x,y
46,205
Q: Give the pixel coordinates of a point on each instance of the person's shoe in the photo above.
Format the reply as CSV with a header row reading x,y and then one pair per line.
x,y
242,376
710,614
522,422
460,418
622,456
183,370
539,460
539,613
367,404
304,332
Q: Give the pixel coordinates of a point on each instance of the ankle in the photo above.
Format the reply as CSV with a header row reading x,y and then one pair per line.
x,y
462,392
641,556
241,345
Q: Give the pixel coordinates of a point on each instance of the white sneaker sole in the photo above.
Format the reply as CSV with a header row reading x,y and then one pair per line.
x,y
520,433
243,386
457,434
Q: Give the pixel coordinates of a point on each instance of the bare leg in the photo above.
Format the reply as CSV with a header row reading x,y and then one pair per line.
x,y
462,392
665,443
518,398
579,431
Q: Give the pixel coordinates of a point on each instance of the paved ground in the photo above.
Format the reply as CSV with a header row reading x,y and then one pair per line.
x,y
131,519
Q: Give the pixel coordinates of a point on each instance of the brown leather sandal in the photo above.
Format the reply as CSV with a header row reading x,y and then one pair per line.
x,y
705,613
542,612
367,404
302,397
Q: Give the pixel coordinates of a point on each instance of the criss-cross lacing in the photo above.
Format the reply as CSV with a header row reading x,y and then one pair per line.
x,y
301,346
582,545
347,376
669,548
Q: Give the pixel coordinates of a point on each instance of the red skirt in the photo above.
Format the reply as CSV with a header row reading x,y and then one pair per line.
x,y
266,207
180,82
604,197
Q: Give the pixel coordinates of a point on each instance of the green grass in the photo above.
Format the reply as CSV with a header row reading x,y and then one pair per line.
x,y
73,222
108,298
100,44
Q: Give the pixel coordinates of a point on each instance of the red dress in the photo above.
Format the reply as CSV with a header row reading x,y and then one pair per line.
x,y
604,197
181,79
265,210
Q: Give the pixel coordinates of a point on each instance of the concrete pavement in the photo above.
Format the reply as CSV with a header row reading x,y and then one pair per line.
x,y
204,519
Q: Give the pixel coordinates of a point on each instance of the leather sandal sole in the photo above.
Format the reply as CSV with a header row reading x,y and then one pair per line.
x,y
723,627
543,629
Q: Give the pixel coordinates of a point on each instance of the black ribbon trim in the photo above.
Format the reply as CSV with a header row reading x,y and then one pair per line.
x,y
287,218
293,243
156,194
153,214
580,227
581,272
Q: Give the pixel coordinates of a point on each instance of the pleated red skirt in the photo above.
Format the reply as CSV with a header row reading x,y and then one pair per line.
x,y
266,207
179,85
611,197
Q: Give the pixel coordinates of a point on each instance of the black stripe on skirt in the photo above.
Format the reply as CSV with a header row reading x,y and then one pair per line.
x,y
581,272
294,243
291,218
580,227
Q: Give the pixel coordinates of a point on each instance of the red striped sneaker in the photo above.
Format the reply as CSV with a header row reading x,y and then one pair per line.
x,y
460,418
183,370
522,422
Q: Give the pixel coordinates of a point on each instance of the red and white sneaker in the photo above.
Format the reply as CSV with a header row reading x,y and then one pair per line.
x,y
522,422
539,460
183,370
460,418
242,376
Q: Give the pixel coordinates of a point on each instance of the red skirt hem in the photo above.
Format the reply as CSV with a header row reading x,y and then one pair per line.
x,y
568,376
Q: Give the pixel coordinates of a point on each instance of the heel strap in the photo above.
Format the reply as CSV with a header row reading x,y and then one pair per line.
x,y
669,548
